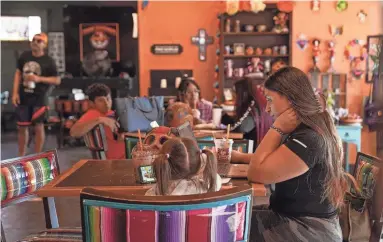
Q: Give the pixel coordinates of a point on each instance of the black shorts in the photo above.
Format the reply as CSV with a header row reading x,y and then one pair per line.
x,y
29,115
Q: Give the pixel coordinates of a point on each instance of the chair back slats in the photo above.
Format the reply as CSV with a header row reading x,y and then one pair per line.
x,y
130,143
59,106
366,173
22,176
96,142
217,216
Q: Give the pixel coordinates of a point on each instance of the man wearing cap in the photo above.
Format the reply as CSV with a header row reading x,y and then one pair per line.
x,y
35,73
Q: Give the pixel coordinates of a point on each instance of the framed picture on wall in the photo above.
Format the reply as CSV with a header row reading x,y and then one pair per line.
x,y
374,47
101,40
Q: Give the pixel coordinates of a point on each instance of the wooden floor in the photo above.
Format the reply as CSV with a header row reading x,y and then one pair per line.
x,y
26,218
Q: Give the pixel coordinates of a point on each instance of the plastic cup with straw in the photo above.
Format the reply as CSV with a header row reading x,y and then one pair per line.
x,y
223,147
142,155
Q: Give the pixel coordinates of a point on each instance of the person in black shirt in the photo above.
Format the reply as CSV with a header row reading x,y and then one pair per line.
x,y
302,154
34,75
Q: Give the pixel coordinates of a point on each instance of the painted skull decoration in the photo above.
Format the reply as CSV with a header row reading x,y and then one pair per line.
x,y
158,136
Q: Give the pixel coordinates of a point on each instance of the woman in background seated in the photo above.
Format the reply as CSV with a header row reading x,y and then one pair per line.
x,y
189,92
251,118
177,170
303,155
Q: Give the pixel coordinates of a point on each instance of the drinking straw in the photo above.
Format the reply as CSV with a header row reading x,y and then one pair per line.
x,y
228,131
140,140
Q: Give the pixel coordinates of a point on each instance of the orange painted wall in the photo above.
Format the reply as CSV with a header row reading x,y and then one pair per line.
x,y
318,27
176,22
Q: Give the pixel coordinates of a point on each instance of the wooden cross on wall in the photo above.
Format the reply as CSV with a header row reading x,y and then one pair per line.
x,y
202,40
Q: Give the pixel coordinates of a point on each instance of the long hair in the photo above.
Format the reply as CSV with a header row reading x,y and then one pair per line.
x,y
172,163
295,85
196,162
244,96
184,86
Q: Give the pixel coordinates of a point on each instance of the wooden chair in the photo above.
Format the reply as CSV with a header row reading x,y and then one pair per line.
x,y
22,176
245,146
96,142
130,142
367,169
366,173
377,210
218,216
68,112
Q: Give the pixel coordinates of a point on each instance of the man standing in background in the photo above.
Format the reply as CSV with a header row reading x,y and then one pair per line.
x,y
34,75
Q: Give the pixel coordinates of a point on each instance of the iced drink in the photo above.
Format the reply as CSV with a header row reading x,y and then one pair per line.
x,y
142,157
223,148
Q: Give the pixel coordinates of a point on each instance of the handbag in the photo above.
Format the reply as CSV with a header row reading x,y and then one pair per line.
x,y
136,113
354,215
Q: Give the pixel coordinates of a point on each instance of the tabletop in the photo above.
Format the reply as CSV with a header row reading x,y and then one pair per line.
x,y
219,134
116,175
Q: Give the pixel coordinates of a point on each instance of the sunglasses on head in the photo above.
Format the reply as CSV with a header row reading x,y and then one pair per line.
x,y
38,41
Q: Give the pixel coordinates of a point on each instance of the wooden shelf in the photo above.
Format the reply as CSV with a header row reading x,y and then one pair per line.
x,y
230,81
260,56
252,33
267,39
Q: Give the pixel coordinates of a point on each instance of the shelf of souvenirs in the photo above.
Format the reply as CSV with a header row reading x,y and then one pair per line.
x,y
230,81
235,79
260,56
335,93
252,33
339,93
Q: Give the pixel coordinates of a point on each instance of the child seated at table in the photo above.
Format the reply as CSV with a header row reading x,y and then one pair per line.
x,y
100,113
178,171
207,160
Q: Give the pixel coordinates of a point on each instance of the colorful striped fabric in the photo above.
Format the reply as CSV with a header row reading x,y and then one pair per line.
x,y
217,224
22,177
223,223
138,221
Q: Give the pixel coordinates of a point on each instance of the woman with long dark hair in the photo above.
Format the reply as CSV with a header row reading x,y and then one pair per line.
x,y
302,154
189,92
251,118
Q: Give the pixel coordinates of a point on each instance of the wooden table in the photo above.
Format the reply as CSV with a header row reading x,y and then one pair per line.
x,y
116,175
219,134
109,175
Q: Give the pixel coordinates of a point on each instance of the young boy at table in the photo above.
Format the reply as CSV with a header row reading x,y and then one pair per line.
x,y
100,113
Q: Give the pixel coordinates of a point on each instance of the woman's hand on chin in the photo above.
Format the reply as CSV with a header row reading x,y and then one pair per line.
x,y
287,122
